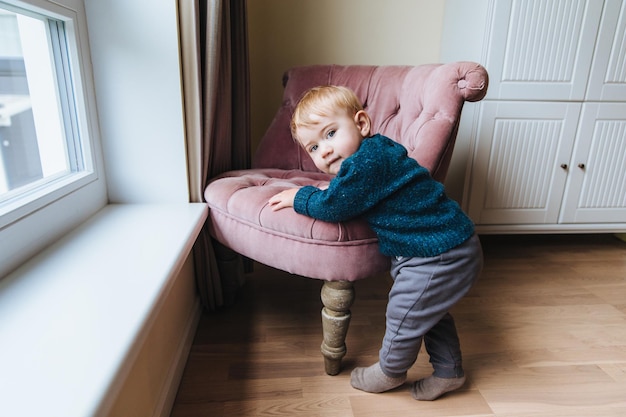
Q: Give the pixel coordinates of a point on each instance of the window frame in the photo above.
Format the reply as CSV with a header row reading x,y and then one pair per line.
x,y
30,223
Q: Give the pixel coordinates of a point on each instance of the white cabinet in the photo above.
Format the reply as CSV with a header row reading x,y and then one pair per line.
x,y
541,49
521,162
547,147
607,79
596,185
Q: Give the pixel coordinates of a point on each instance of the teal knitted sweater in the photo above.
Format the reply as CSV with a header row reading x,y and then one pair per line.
x,y
408,210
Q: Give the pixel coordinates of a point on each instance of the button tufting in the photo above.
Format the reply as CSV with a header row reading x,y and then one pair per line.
x,y
462,84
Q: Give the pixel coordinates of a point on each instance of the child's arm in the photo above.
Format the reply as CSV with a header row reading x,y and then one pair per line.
x,y
283,199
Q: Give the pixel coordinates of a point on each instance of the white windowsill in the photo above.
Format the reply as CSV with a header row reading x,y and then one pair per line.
x,y
73,315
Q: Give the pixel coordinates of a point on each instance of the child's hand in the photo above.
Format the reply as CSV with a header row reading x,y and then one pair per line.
x,y
283,199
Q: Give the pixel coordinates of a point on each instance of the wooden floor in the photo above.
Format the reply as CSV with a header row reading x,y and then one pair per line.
x,y
543,334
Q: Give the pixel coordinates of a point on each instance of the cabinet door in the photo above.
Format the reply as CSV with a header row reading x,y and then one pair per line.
x,y
541,49
607,80
596,187
517,174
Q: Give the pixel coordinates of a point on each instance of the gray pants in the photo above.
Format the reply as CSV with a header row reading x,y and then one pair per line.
x,y
423,291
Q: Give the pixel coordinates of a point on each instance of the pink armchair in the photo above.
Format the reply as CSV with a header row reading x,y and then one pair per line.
x,y
417,106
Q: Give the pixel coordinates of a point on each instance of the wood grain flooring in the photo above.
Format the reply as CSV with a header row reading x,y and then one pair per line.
x,y
543,335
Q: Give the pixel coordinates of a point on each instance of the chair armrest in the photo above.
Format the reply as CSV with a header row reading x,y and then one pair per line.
x,y
473,80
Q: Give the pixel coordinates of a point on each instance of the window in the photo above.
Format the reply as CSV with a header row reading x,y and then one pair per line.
x,y
40,142
48,126
32,130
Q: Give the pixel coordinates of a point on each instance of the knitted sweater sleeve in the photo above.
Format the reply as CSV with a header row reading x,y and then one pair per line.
x,y
365,179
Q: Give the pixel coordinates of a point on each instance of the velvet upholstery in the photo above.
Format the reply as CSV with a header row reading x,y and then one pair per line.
x,y
419,106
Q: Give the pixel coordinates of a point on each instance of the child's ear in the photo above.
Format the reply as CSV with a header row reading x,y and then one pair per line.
x,y
363,122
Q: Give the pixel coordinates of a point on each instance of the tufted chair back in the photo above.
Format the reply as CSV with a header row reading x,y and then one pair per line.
x,y
417,106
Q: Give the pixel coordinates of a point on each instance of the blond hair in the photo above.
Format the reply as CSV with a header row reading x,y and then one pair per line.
x,y
323,101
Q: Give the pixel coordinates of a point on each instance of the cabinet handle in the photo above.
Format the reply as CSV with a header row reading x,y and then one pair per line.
x,y
564,166
581,166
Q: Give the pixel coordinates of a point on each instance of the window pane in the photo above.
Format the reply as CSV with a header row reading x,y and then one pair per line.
x,y
36,136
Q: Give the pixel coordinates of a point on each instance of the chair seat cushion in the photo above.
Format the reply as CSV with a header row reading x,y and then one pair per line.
x,y
242,219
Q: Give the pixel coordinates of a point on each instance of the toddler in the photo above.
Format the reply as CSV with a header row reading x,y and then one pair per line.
x,y
435,254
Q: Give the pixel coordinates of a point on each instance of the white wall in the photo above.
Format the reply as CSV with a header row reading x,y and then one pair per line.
x,y
457,47
134,46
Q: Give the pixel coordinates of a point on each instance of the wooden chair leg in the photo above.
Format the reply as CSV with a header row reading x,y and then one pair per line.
x,y
337,297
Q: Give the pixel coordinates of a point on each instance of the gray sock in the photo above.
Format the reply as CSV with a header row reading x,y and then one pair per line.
x,y
373,379
433,387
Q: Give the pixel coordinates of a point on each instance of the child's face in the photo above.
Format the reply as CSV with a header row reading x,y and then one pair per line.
x,y
333,138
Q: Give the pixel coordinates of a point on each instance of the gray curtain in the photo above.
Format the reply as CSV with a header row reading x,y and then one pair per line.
x,y
215,76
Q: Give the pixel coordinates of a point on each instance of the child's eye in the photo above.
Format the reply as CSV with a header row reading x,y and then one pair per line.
x,y
312,148
330,134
